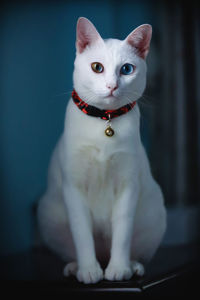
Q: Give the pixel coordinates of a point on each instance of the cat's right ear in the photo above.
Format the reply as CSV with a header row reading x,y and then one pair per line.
x,y
86,34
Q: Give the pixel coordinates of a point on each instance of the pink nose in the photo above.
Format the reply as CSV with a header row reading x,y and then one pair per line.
x,y
112,88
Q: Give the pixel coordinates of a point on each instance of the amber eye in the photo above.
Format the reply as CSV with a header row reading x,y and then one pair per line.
x,y
97,67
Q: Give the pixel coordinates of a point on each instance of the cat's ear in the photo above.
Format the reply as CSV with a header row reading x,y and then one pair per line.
x,y
86,34
140,39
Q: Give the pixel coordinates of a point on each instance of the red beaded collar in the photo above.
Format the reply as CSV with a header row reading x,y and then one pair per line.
x,y
101,113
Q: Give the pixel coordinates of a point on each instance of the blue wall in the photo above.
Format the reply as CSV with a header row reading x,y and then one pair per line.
x,y
37,53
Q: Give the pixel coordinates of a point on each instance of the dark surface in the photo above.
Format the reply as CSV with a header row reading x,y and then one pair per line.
x,y
173,271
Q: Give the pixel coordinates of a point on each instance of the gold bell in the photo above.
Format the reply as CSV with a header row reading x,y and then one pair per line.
x,y
109,131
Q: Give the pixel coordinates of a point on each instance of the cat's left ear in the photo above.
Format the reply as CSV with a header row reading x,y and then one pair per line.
x,y
86,34
140,39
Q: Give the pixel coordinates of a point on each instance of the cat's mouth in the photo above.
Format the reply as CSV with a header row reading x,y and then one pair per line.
x,y
111,102
111,99
111,95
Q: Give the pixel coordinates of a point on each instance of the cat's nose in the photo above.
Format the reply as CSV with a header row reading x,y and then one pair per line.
x,y
112,88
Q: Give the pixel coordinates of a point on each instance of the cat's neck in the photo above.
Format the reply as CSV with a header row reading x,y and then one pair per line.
x,y
101,113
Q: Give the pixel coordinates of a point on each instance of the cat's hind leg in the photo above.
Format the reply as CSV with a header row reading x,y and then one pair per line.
x,y
137,268
70,269
149,229
54,226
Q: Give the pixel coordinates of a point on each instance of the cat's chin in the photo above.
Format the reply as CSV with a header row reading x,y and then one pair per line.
x,y
110,102
111,99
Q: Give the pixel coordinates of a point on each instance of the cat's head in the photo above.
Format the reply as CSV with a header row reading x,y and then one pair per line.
x,y
110,73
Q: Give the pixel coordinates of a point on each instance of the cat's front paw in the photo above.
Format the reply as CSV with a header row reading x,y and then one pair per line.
x,y
90,274
118,272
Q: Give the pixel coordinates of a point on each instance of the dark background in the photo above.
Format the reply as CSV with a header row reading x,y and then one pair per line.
x,y
37,50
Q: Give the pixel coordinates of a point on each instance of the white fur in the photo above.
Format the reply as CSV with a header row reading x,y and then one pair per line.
x,y
102,201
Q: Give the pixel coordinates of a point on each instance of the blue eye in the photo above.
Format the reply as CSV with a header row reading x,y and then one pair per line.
x,y
127,69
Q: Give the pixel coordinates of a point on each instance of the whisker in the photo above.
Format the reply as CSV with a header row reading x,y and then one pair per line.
x,y
89,99
144,100
129,101
62,94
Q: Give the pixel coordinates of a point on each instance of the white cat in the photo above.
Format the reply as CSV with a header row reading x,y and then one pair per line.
x,y
102,202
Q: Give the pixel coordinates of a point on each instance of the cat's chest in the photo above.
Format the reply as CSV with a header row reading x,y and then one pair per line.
x,y
98,171
100,176
94,163
93,157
